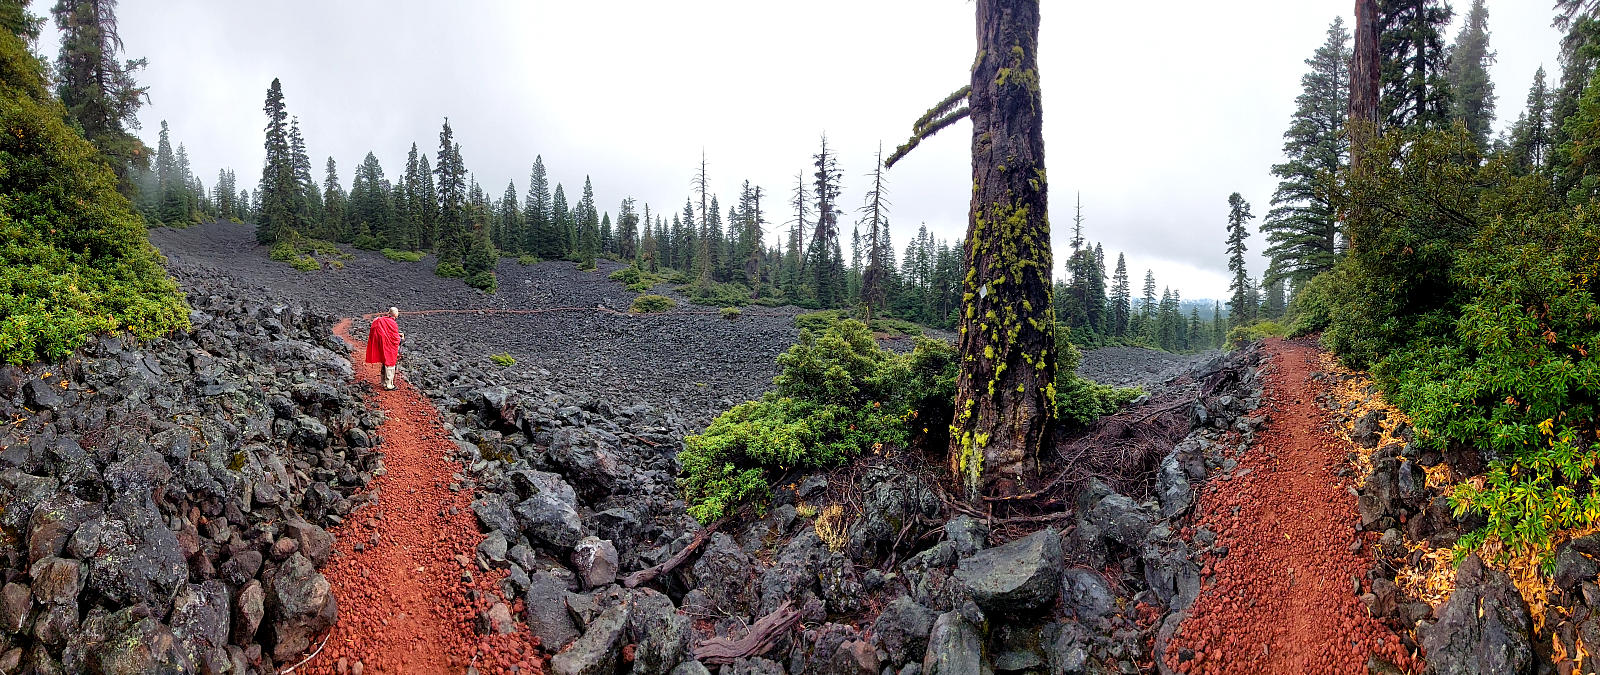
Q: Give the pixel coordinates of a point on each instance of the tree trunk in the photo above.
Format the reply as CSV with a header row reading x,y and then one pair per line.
x,y
1364,81
1005,393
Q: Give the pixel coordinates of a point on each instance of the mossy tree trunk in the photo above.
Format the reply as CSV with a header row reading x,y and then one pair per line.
x,y
1005,394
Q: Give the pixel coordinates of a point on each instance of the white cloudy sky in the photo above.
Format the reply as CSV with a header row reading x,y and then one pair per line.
x,y
1154,111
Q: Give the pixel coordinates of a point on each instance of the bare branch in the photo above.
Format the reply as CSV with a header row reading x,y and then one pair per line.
x,y
925,132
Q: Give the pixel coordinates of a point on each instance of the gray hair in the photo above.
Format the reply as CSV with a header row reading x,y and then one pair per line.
x,y
394,311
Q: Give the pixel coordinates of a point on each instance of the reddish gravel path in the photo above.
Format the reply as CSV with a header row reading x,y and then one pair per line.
x,y
404,606
1281,600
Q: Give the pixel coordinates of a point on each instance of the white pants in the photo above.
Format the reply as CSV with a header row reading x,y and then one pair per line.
x,y
388,376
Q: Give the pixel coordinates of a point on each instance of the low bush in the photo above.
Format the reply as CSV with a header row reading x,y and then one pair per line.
x,y
484,281
717,294
450,270
821,320
1311,309
1240,336
837,395
503,359
403,256
305,263
366,242
817,321
637,280
586,264
648,304
730,313
527,260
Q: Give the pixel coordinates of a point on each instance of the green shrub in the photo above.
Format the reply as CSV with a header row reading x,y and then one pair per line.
x,y
1239,336
484,281
74,257
449,270
527,260
284,250
1311,309
503,359
586,264
305,263
637,280
366,242
403,256
717,294
837,396
1080,401
817,321
730,313
647,304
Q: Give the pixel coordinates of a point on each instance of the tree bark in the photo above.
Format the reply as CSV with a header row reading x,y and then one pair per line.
x,y
1005,394
1364,81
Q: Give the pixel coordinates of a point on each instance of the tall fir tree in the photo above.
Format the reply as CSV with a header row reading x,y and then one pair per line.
x,y
333,203
276,192
1121,300
541,239
452,241
1532,135
1411,43
1240,308
99,91
825,260
875,213
1472,92
794,256
1302,228
508,235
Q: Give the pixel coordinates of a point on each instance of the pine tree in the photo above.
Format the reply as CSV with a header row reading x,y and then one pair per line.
x,y
1303,226
794,259
508,232
1415,89
1471,90
875,213
452,239
1121,298
306,197
277,190
541,237
1217,327
1148,308
333,203
168,180
825,261
426,197
561,229
627,230
587,220
1240,309
1531,135
99,92
1275,303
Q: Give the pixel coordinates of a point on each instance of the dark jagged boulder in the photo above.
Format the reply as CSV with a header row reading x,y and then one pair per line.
x,y
300,605
546,611
1483,628
1020,576
955,647
891,499
901,630
662,637
600,648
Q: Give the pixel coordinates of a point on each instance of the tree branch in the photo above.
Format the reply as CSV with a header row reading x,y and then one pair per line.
x,y
937,117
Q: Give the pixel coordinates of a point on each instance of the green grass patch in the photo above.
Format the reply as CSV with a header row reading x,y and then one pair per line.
x,y
403,256
730,313
503,359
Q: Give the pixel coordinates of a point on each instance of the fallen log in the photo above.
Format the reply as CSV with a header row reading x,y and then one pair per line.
x,y
645,575
760,639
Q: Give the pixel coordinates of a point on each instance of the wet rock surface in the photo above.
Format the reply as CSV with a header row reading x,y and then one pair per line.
x,y
150,486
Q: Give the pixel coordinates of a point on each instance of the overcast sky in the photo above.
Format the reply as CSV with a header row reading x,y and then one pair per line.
x,y
1154,111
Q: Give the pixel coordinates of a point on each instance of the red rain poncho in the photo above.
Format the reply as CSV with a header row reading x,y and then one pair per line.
x,y
383,341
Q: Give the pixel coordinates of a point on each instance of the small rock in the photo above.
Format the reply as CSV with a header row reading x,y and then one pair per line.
x,y
596,561
1020,576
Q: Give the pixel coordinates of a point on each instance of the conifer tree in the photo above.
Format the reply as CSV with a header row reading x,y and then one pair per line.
x,y
306,196
825,262
540,234
795,257
1472,93
1240,307
586,218
1531,135
561,222
875,213
369,205
1411,41
99,91
1217,327
627,230
1302,228
1120,298
167,180
333,203
1148,308
452,240
426,198
1095,291
508,233
276,192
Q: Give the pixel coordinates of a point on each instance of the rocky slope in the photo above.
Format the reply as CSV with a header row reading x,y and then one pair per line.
x,y
164,503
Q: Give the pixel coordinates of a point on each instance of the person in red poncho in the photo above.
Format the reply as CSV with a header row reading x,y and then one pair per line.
x,y
383,344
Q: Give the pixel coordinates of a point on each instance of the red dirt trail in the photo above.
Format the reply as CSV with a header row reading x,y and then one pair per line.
x,y
404,606
1281,600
